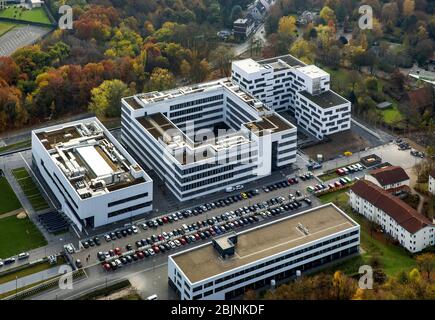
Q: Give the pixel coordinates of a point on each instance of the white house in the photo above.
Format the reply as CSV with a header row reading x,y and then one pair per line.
x,y
432,181
92,176
231,264
203,138
390,177
287,84
410,228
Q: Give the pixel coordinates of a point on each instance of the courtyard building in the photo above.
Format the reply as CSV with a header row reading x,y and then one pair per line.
x,y
205,138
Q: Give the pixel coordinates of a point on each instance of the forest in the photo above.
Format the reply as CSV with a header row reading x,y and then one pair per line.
x,y
122,47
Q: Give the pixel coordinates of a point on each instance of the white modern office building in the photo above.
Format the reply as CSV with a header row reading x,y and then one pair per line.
x,y
286,83
203,138
92,176
231,264
410,228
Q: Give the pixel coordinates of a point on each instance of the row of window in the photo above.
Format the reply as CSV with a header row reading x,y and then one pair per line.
x,y
195,102
138,196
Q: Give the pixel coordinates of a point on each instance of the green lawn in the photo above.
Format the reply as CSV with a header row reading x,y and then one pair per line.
x,y
393,258
30,189
15,146
8,199
18,235
34,15
5,27
392,115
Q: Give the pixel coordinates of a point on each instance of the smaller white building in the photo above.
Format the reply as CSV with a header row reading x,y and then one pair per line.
x,y
94,179
403,223
390,177
432,181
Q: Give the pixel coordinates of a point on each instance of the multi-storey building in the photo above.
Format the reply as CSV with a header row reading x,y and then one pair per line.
x,y
203,138
231,264
93,178
243,27
286,83
410,228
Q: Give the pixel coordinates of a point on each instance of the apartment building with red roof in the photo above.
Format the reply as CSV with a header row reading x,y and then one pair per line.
x,y
410,228
390,177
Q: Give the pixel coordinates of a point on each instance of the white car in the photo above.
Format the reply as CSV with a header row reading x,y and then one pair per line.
x,y
135,230
239,187
1,263
151,252
144,226
23,255
177,243
229,189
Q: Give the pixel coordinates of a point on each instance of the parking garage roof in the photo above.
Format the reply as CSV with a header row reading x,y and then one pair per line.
x,y
263,241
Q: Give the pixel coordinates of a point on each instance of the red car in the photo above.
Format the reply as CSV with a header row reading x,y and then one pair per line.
x,y
291,181
118,251
197,237
156,249
107,267
182,241
160,237
140,254
165,219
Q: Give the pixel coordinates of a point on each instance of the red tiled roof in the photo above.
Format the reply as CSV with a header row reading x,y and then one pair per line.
x,y
402,213
389,175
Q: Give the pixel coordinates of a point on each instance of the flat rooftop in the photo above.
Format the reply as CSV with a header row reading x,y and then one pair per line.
x,y
313,71
88,158
272,122
162,129
288,59
263,241
326,99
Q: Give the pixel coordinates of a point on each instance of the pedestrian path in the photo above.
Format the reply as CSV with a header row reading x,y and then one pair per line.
x,y
27,280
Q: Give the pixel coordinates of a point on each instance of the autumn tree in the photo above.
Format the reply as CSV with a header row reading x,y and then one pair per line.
x,y
426,264
303,50
9,70
287,27
408,7
160,79
327,14
106,98
221,59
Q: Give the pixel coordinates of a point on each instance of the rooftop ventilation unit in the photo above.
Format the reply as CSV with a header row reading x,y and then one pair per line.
x,y
302,228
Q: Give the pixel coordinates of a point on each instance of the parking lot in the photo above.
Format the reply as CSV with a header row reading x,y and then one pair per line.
x,y
161,234
20,37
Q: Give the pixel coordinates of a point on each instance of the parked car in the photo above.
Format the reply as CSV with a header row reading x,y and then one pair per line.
x,y
23,255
